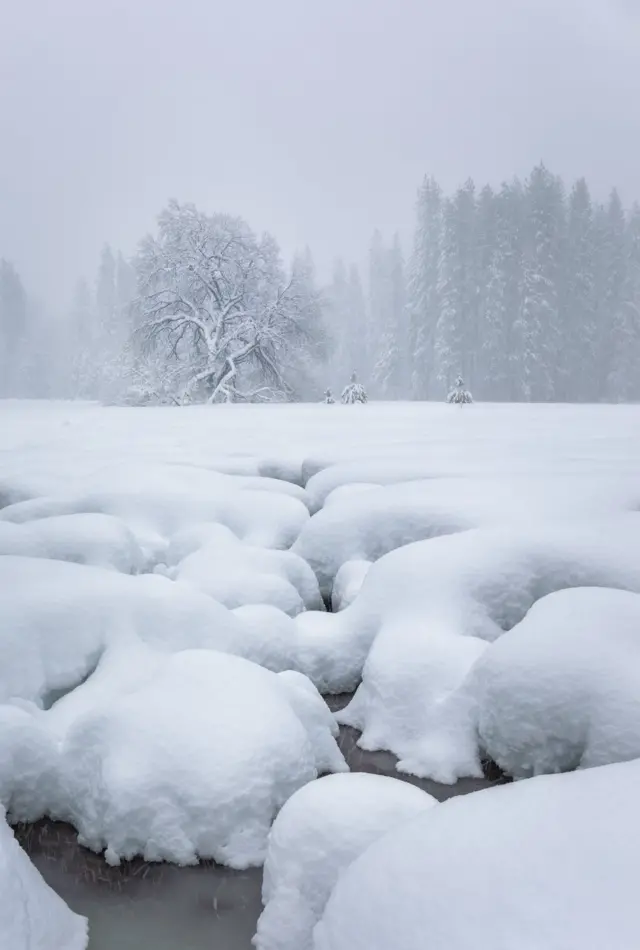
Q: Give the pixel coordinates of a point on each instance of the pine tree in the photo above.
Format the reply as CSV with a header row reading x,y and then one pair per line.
x,y
307,357
354,392
624,379
612,285
501,296
579,357
423,296
458,288
389,371
537,325
14,328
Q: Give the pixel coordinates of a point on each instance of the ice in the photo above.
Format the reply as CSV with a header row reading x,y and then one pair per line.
x,y
321,829
100,540
192,758
547,863
32,916
428,610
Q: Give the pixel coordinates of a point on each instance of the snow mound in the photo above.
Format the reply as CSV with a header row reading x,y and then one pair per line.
x,y
348,583
192,761
58,618
561,690
557,852
237,573
428,611
266,519
28,763
372,471
140,476
100,540
365,525
321,829
32,916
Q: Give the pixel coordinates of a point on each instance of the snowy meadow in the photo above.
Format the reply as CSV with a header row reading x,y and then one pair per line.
x,y
218,622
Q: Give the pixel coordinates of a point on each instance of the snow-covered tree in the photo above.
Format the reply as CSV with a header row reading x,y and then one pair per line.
x,y
459,395
611,290
215,304
346,318
307,355
624,376
389,317
423,294
354,392
458,287
537,325
578,359
14,328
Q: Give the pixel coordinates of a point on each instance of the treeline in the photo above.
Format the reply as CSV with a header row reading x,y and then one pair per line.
x,y
529,292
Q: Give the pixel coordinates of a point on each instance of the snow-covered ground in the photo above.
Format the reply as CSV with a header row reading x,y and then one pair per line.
x,y
176,585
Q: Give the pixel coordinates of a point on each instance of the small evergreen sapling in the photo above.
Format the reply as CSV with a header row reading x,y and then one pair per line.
x,y
459,395
354,392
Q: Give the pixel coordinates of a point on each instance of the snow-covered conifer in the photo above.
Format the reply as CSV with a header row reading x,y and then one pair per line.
x,y
354,392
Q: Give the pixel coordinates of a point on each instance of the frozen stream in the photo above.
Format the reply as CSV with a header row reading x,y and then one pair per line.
x,y
164,907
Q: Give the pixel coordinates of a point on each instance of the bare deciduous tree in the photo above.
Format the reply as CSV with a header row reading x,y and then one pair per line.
x,y
215,304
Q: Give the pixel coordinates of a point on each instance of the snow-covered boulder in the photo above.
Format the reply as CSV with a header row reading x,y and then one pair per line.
x,y
192,761
427,612
561,690
321,829
547,863
267,519
28,762
57,619
361,524
97,539
236,573
348,583
32,916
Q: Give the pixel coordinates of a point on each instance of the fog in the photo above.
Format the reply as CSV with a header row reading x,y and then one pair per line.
x,y
316,121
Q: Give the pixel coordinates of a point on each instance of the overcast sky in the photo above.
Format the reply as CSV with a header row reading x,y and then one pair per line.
x,y
315,119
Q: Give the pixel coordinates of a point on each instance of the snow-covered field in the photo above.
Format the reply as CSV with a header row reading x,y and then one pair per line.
x,y
178,587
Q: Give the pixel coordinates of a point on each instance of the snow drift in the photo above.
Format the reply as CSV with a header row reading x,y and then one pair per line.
x,y
32,916
321,829
548,863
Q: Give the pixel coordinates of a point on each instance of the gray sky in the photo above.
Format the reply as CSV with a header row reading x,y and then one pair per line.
x,y
315,120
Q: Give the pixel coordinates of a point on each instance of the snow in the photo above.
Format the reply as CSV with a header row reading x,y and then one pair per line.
x,y
271,519
190,757
427,611
549,862
348,583
320,830
58,618
237,573
561,690
32,916
132,705
365,525
100,540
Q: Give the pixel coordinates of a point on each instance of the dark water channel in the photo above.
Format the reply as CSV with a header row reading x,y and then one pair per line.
x,y
141,906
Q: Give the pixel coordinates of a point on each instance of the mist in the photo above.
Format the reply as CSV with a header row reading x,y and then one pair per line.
x,y
316,122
